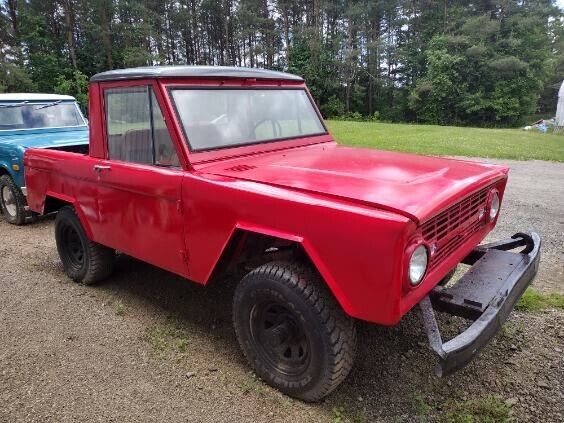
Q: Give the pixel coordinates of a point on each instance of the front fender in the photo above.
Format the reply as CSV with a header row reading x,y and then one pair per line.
x,y
8,158
313,255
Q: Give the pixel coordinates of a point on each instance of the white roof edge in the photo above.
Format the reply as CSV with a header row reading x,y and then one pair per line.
x,y
34,97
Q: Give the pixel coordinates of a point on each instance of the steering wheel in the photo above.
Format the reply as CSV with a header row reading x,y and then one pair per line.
x,y
276,127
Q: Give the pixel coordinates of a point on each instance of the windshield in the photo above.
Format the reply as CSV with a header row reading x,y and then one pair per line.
x,y
39,115
219,118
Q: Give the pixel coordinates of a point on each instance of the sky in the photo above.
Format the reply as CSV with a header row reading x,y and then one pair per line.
x,y
560,3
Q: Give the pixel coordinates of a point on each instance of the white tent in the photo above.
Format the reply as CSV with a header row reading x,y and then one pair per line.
x,y
560,110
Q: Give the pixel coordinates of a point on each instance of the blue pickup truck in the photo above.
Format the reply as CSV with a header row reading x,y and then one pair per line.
x,y
39,121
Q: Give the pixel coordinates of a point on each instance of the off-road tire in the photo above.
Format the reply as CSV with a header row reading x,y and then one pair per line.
x,y
84,261
330,333
20,203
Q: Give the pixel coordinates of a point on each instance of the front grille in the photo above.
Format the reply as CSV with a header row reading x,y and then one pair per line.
x,y
451,228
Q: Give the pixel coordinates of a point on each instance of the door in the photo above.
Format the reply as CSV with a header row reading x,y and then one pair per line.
x,y
139,186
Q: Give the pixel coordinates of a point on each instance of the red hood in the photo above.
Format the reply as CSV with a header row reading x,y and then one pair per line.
x,y
415,186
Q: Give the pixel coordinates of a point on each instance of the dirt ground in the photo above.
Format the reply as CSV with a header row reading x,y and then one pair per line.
x,y
149,346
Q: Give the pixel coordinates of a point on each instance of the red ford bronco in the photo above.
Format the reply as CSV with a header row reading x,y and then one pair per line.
x,y
207,170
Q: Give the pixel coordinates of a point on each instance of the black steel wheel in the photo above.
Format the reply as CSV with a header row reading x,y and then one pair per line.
x,y
280,338
73,246
292,330
84,261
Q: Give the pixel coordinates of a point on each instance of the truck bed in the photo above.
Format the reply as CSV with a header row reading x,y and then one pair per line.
x,y
54,171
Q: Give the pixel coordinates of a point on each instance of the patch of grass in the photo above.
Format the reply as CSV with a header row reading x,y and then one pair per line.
x,y
533,300
252,383
422,407
483,410
167,338
512,330
338,414
119,307
341,415
513,144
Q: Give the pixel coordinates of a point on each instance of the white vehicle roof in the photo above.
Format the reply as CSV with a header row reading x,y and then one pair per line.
x,y
34,97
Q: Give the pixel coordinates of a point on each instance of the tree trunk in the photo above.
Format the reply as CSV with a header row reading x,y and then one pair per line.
x,y
105,25
14,22
12,12
68,9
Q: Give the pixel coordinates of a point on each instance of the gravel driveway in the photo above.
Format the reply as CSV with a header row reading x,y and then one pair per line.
x,y
534,201
148,346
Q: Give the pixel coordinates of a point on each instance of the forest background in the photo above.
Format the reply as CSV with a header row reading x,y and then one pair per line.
x,y
448,62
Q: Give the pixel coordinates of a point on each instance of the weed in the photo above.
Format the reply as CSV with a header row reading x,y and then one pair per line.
x,y
118,307
167,338
342,415
512,330
338,414
252,384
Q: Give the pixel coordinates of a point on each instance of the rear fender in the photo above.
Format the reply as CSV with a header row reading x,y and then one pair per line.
x,y
67,200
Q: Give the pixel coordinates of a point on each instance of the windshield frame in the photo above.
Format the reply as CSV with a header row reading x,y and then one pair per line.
x,y
177,87
44,103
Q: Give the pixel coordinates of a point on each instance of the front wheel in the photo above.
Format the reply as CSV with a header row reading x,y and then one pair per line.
x,y
292,331
12,201
84,261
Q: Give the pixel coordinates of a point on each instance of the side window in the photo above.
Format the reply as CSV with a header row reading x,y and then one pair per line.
x,y
136,128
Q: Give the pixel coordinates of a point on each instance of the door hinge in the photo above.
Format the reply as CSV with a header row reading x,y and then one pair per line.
x,y
179,207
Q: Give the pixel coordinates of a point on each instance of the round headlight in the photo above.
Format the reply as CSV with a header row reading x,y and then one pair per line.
x,y
494,206
418,265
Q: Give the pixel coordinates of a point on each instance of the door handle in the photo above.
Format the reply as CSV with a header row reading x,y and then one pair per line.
x,y
100,168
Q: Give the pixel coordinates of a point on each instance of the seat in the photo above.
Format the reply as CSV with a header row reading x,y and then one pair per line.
x,y
166,153
137,146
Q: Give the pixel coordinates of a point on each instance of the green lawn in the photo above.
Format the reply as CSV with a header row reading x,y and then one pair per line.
x,y
450,140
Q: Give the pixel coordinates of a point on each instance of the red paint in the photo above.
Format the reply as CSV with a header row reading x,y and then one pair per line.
x,y
355,211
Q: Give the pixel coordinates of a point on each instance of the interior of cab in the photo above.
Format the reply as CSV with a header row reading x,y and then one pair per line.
x,y
137,132
222,117
136,146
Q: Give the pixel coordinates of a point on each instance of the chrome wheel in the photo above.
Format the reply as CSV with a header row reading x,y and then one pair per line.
x,y
9,201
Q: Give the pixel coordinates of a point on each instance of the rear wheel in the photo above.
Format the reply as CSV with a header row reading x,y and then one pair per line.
x,y
292,331
84,261
12,201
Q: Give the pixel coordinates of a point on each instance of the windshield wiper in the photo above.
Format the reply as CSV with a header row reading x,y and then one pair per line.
x,y
9,106
44,106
